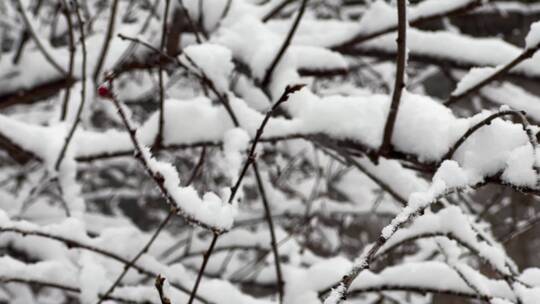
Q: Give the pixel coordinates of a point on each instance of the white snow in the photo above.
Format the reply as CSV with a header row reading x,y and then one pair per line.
x,y
314,196
533,37
213,60
474,77
209,209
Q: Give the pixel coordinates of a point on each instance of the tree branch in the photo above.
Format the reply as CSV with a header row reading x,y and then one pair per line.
x,y
268,75
399,84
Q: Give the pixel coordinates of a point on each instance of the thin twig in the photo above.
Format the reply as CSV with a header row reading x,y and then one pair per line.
x,y
156,176
399,84
461,274
416,21
284,46
132,46
72,243
105,48
24,34
159,138
498,73
206,257
83,92
199,73
530,224
159,286
197,170
273,239
485,122
200,20
38,42
194,28
72,50
58,286
276,10
154,236
136,258
382,184
151,47
262,256
250,159
341,288
251,154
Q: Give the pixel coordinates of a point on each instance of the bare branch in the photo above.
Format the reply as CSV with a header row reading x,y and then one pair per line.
x,y
497,74
399,84
36,39
105,48
159,137
83,92
268,75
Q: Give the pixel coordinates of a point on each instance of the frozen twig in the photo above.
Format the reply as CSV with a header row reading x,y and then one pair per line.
x,y
497,74
362,37
154,237
159,137
73,243
268,75
37,40
105,48
399,83
83,91
156,176
72,50
485,122
159,286
206,258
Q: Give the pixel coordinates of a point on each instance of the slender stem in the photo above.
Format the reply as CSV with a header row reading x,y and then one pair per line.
x,y
383,185
273,239
136,258
159,138
194,28
415,21
276,10
199,73
399,84
105,48
486,122
498,73
249,160
159,286
128,52
72,50
154,236
341,288
38,42
251,154
72,243
58,286
197,170
24,34
521,229
156,177
151,47
83,92
206,257
284,46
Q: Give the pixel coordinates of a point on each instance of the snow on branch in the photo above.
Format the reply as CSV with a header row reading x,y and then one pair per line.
x,y
268,152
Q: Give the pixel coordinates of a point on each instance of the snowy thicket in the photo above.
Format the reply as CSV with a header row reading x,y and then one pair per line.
x,y
268,151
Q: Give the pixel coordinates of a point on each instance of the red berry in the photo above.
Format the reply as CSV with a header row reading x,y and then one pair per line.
x,y
104,91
